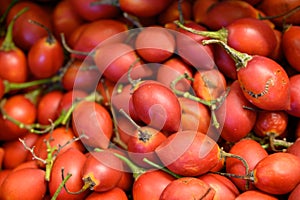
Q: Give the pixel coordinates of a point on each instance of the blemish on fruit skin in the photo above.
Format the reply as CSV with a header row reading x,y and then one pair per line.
x,y
269,83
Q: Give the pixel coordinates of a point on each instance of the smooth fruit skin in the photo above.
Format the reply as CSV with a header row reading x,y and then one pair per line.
x,y
90,12
294,109
278,173
255,194
27,184
113,194
291,46
93,120
161,46
47,107
236,121
41,56
142,145
142,8
242,32
103,169
157,106
252,152
26,34
72,161
21,109
13,65
189,153
294,195
150,185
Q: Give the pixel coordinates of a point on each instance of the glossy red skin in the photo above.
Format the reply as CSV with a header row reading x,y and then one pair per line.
x,y
224,187
235,121
223,13
113,194
2,154
161,46
209,84
3,174
294,148
253,2
143,8
143,144
94,121
171,69
2,88
47,107
104,169
290,46
161,110
278,173
80,76
295,96
278,54
242,32
105,88
68,99
195,115
273,8
21,109
65,19
15,152
188,188
26,34
151,184
27,164
295,193
127,178
255,194
171,13
11,62
19,184
4,5
59,136
225,63
94,12
200,7
271,122
115,59
189,153
41,56
190,48
125,129
89,35
252,152
123,100
277,95
72,161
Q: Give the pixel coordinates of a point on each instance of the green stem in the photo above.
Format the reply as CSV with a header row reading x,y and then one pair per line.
x,y
212,104
247,170
61,120
9,86
65,45
161,168
137,171
61,185
3,17
278,143
221,34
50,39
240,59
8,43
